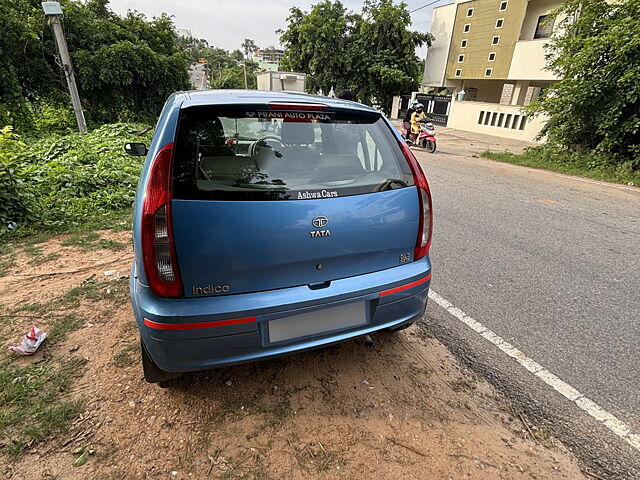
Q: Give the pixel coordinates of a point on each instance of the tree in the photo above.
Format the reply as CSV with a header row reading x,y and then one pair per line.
x,y
384,62
234,77
372,53
316,43
24,76
596,104
125,66
237,55
249,47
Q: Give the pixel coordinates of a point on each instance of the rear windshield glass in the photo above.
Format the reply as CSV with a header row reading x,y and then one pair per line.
x,y
253,153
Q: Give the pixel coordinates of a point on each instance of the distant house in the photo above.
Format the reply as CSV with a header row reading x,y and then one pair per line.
x,y
490,55
268,60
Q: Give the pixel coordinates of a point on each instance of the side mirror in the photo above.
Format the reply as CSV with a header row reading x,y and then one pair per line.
x,y
136,149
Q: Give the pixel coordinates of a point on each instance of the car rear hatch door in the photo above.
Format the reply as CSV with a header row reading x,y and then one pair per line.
x,y
273,197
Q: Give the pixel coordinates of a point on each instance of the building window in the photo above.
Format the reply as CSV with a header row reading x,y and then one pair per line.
x,y
544,27
469,12
492,56
495,40
458,72
467,28
488,72
503,6
463,44
499,23
460,58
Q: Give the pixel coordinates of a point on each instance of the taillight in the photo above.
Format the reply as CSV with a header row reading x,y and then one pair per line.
x,y
423,242
158,249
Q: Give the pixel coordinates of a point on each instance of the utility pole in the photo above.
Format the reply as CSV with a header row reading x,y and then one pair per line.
x,y
54,12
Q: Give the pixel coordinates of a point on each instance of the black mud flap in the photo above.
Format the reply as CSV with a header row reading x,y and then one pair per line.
x,y
153,373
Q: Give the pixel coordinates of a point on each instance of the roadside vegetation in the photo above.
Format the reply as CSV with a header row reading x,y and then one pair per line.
x,y
593,125
76,181
591,165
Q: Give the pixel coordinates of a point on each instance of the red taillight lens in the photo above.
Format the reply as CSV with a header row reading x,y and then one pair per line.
x,y
423,243
158,249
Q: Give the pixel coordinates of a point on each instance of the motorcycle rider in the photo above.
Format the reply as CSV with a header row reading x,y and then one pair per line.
x,y
406,122
415,121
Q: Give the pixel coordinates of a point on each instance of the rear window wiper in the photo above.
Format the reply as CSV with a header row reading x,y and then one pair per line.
x,y
275,184
389,183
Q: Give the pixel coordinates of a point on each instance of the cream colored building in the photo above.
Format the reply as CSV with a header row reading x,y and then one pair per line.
x,y
281,81
493,51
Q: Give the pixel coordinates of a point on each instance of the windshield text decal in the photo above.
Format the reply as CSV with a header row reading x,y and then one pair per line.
x,y
295,115
321,194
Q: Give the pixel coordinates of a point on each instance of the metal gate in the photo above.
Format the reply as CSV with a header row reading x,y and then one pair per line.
x,y
404,105
436,107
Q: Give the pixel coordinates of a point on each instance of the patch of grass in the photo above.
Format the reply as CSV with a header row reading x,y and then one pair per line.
x,y
551,157
30,307
117,291
32,251
82,241
127,356
62,326
6,258
33,402
107,244
92,241
44,259
116,221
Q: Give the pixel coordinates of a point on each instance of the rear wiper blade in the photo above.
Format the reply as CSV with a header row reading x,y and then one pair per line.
x,y
390,182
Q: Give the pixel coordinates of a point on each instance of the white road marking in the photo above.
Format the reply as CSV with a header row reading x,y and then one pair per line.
x,y
618,427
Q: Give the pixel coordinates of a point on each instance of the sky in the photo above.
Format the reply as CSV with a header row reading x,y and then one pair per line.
x,y
225,23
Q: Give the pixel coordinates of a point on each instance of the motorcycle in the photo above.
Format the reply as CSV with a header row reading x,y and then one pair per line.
x,y
427,136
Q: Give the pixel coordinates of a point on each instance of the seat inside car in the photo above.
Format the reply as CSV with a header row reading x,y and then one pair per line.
x,y
297,153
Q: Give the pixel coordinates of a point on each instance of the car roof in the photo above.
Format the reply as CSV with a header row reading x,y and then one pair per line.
x,y
235,97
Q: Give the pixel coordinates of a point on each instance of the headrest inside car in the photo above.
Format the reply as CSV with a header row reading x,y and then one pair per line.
x,y
297,133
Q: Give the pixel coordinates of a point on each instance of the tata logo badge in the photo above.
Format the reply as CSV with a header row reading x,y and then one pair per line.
x,y
320,222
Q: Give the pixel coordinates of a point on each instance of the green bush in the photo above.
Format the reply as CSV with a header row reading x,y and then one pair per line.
x,y
61,181
587,164
51,118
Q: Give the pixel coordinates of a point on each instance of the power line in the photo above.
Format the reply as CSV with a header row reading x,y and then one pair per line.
x,y
424,6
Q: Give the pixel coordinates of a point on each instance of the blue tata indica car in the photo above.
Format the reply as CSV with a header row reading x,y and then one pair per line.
x,y
268,223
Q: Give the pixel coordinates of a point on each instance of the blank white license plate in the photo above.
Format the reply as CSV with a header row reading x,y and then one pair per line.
x,y
317,321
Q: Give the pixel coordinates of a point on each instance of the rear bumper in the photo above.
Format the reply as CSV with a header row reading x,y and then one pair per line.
x,y
198,333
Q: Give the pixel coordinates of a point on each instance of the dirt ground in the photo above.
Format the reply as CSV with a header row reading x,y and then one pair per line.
x,y
402,408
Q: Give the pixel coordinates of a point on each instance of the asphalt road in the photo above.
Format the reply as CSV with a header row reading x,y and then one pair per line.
x,y
197,75
550,263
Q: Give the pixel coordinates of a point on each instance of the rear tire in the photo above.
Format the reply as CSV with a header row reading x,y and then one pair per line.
x,y
430,146
153,373
171,383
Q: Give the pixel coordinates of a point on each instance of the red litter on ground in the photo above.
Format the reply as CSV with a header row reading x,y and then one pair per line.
x,y
30,342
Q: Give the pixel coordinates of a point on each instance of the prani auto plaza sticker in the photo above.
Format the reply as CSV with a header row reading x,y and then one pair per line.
x,y
310,116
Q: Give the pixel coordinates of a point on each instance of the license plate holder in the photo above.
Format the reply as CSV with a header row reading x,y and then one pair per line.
x,y
316,322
